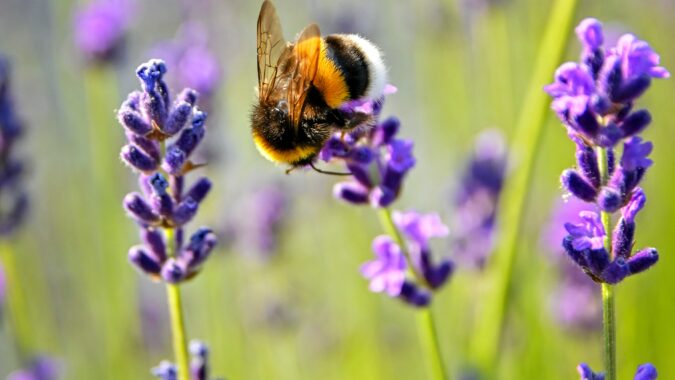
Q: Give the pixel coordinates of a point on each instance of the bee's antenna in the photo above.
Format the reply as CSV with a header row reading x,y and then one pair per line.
x,y
325,171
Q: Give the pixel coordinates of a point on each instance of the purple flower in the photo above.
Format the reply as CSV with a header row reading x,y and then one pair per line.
x,y
40,368
635,154
196,66
15,200
165,371
100,28
637,58
587,235
594,98
199,366
166,202
387,272
590,33
644,372
420,228
477,199
575,301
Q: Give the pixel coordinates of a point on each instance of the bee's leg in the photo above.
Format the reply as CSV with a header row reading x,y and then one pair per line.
x,y
327,172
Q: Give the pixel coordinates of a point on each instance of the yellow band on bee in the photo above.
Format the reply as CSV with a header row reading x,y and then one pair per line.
x,y
290,156
329,80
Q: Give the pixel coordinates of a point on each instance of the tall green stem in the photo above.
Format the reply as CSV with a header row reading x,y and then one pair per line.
x,y
177,320
16,305
608,313
487,333
425,318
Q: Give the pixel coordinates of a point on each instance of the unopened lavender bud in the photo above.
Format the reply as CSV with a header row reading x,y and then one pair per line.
x,y
174,160
138,159
188,95
162,203
185,211
190,138
636,122
147,146
352,192
624,234
438,275
588,164
153,239
178,118
382,196
173,271
632,89
144,260
609,135
413,295
642,260
587,122
611,78
139,209
133,121
578,186
646,372
361,174
598,260
199,190
615,272
610,199
385,131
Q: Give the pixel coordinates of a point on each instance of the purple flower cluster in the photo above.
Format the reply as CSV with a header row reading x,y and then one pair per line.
x,y
196,65
477,199
15,201
389,271
378,162
199,369
644,372
594,99
100,28
149,119
40,368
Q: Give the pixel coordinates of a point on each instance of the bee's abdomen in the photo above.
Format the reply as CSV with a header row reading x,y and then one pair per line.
x,y
351,68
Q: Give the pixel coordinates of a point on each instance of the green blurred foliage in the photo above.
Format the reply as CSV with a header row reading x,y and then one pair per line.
x,y
460,66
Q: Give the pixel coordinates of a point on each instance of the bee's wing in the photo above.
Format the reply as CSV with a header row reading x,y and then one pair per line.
x,y
272,48
302,68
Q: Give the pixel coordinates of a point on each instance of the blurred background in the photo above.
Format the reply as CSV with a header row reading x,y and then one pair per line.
x,y
287,301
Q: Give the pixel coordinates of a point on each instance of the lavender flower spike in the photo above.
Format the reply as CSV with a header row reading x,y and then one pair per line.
x,y
40,368
163,202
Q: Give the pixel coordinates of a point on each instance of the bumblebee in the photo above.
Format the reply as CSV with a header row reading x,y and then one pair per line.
x,y
301,86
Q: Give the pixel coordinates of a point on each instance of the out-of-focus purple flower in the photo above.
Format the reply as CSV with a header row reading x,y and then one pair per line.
x,y
165,371
255,226
199,365
166,203
477,199
637,58
100,28
40,368
587,373
196,65
15,201
644,372
417,230
387,272
575,302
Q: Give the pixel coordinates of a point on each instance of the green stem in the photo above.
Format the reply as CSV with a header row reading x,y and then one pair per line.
x,y
425,318
486,338
177,320
17,311
608,309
